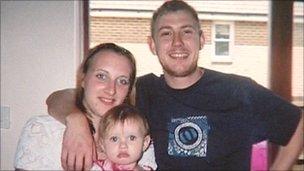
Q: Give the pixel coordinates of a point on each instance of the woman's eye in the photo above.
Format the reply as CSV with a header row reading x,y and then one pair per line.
x,y
123,81
114,139
132,137
102,76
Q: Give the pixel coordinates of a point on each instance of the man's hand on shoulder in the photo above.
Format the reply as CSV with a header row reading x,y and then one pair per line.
x,y
78,147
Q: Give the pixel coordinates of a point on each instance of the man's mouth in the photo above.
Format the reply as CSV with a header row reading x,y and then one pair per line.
x,y
178,55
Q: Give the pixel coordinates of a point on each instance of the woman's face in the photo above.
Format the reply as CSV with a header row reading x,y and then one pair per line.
x,y
106,83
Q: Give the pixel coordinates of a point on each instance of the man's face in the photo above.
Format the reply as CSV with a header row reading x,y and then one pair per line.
x,y
177,42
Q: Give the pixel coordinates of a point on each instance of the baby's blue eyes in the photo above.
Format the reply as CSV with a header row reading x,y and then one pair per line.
x,y
116,139
132,137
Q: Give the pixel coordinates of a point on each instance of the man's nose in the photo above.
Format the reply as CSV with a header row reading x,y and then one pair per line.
x,y
177,39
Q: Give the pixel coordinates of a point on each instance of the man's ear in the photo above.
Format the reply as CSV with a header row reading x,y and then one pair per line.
x,y
202,39
147,141
151,45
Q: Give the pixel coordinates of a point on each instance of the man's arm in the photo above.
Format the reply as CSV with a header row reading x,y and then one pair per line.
x,y
62,103
287,155
78,147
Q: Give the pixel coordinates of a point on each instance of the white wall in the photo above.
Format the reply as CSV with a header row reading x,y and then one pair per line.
x,y
39,54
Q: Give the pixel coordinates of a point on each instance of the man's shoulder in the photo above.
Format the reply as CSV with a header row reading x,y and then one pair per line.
x,y
147,79
226,77
148,76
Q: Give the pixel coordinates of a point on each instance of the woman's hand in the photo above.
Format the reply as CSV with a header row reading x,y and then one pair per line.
x,y
78,146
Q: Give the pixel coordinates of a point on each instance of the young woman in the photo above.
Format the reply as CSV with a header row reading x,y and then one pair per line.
x,y
105,80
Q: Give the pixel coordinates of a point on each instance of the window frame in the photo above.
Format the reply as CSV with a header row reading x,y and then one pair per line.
x,y
223,58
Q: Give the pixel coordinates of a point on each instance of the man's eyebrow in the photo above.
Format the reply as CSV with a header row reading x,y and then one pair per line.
x,y
188,25
169,27
164,27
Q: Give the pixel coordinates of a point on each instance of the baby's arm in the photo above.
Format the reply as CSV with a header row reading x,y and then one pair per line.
x,y
78,147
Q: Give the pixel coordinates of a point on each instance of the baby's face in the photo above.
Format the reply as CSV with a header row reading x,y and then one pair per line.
x,y
124,142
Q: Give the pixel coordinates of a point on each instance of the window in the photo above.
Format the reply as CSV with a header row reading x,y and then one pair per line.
x,y
222,41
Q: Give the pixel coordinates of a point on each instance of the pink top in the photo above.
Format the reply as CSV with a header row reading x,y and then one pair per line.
x,y
106,165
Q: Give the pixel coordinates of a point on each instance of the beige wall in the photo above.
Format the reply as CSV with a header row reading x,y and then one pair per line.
x,y
39,54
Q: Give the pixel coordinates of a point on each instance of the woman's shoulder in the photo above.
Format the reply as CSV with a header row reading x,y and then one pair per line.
x,y
43,119
39,144
39,122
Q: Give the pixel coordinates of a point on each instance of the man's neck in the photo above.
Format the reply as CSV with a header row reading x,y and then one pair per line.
x,y
184,82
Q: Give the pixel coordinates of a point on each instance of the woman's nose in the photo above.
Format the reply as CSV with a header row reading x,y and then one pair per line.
x,y
111,88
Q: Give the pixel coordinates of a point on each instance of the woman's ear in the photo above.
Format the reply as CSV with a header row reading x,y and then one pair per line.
x,y
147,141
80,79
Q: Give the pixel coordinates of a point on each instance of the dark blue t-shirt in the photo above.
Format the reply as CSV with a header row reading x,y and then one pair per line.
x,y
212,124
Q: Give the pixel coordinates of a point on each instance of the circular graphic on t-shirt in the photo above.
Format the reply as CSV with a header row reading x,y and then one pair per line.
x,y
188,135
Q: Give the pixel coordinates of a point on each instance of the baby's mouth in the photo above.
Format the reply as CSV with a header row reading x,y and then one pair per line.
x,y
123,155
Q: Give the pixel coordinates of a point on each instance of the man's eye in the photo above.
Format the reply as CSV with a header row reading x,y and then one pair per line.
x,y
132,137
188,31
165,33
114,139
123,81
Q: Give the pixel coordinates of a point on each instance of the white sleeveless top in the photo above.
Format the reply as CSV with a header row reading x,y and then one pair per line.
x,y
40,143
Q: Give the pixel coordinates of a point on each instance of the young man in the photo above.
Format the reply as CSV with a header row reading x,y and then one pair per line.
x,y
199,118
